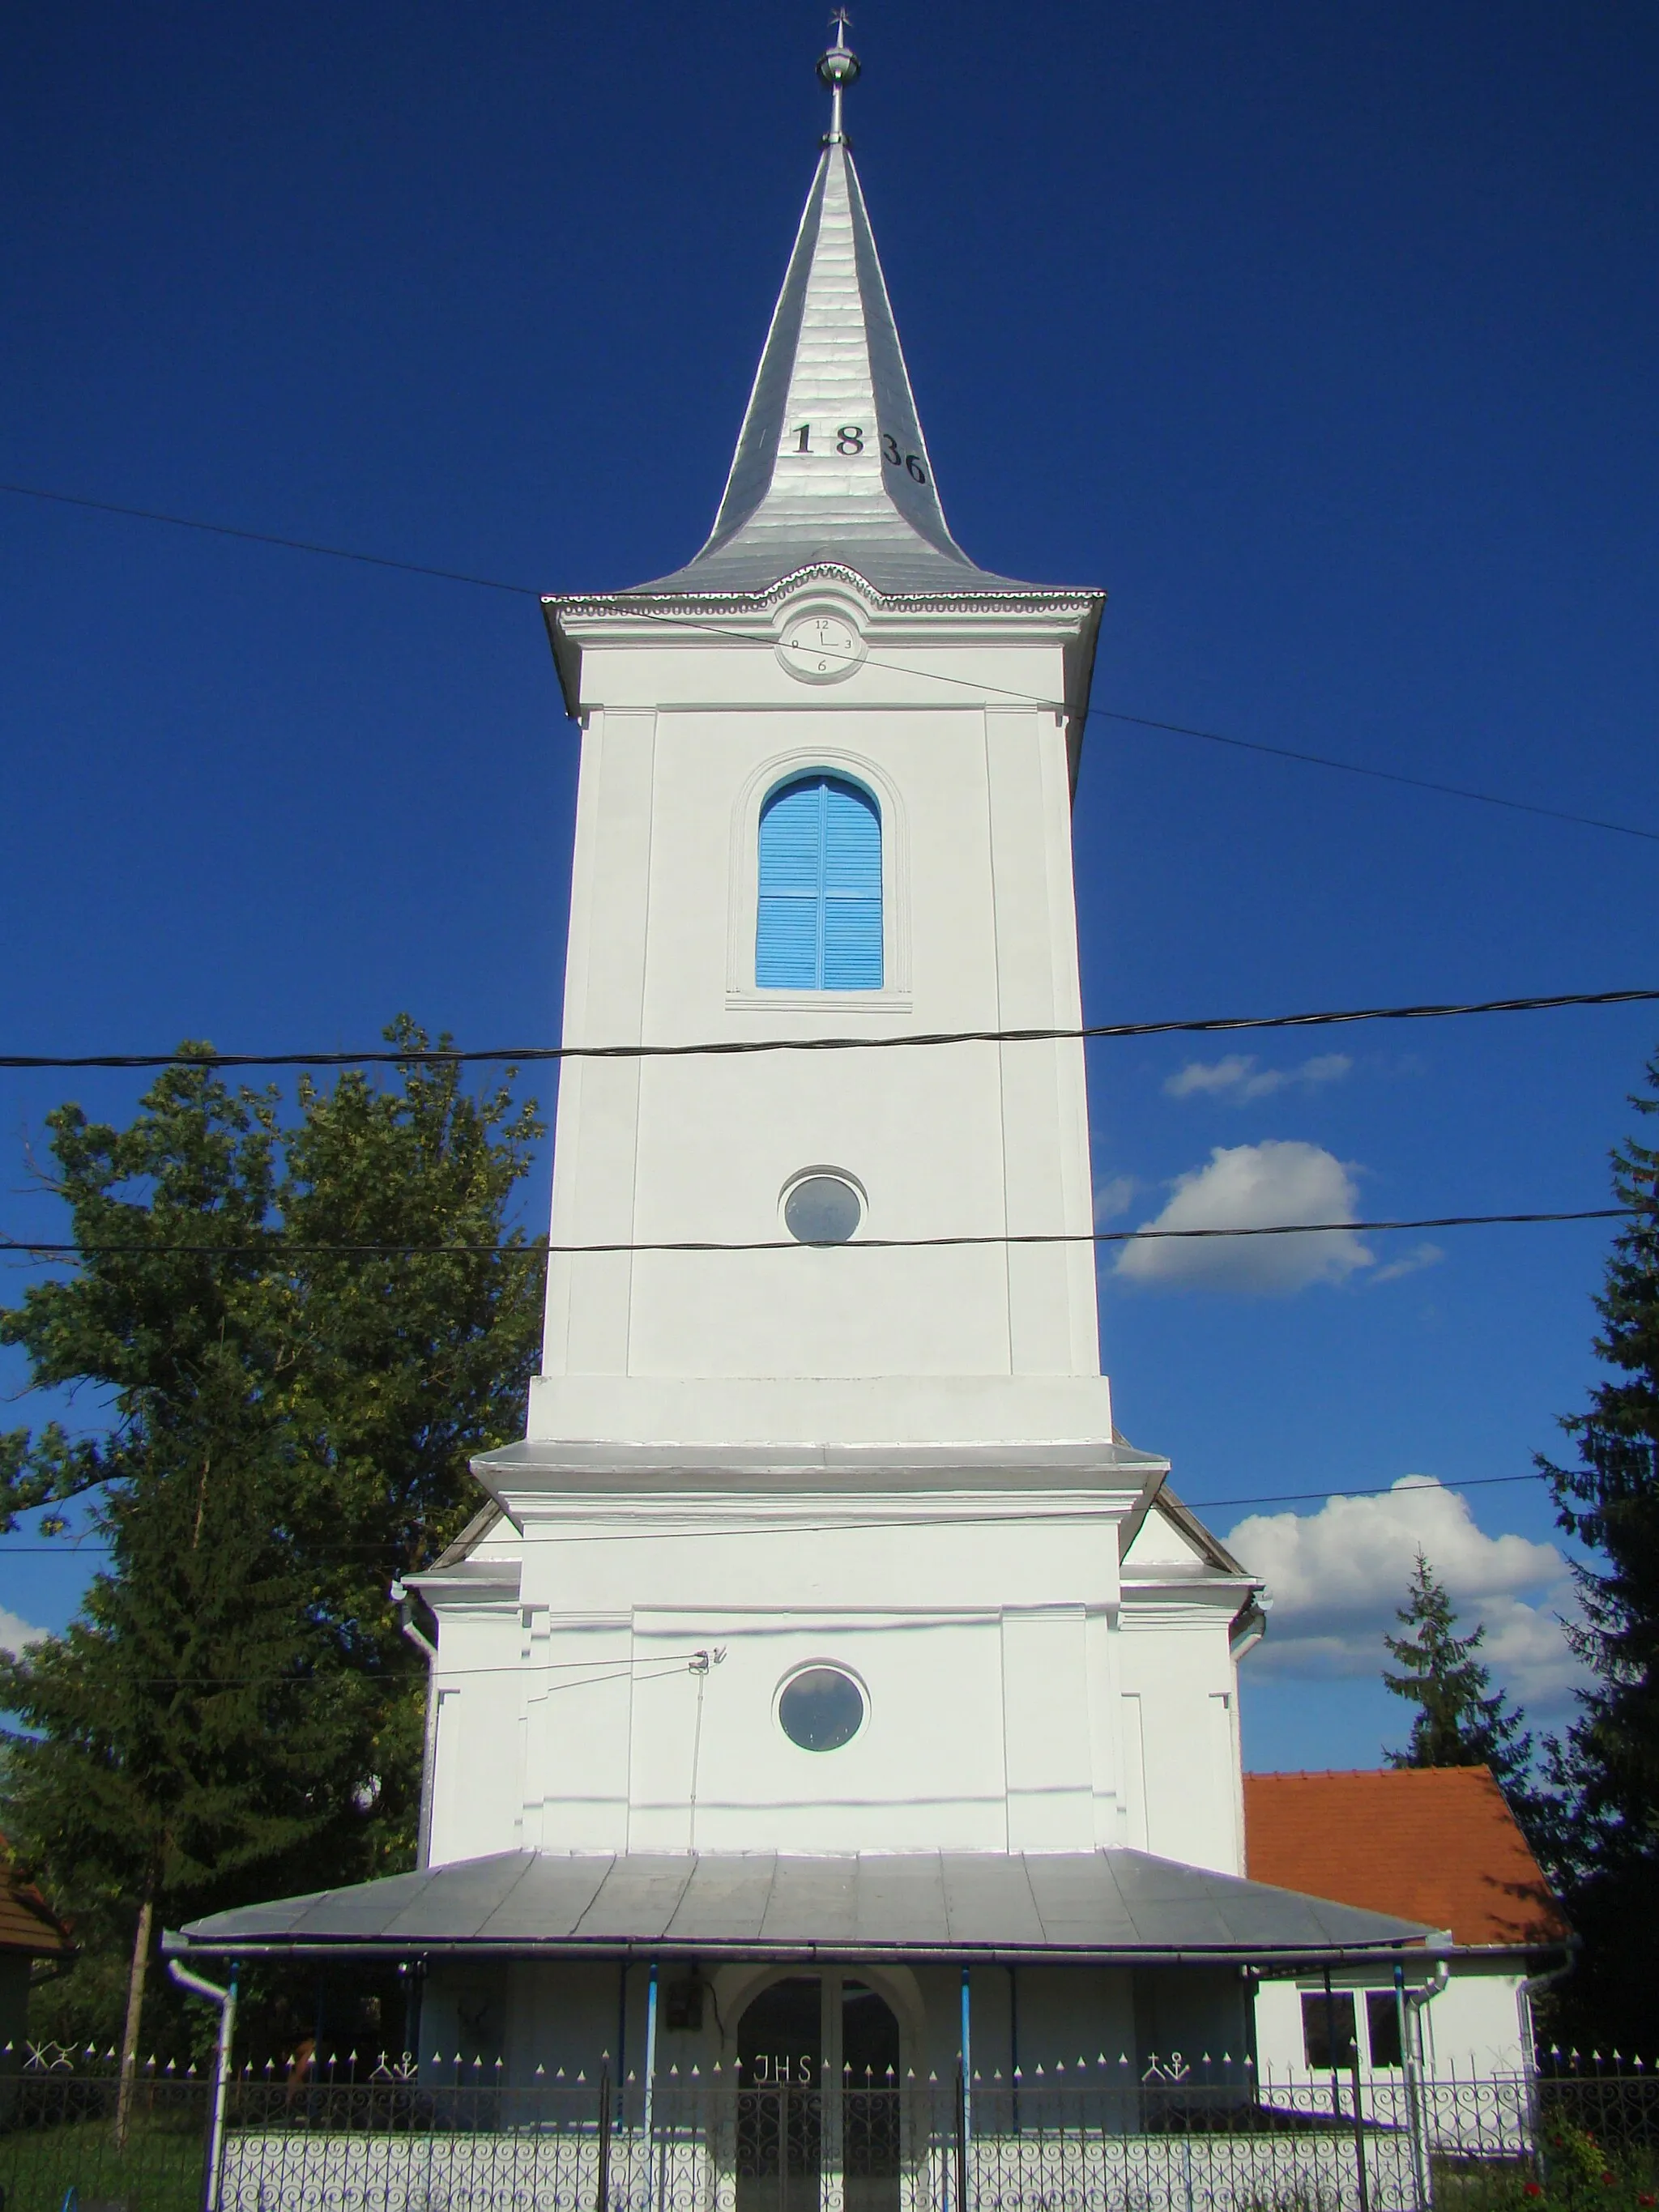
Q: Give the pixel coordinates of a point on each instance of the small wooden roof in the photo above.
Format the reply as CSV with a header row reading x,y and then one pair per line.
x,y
27,1922
1434,1844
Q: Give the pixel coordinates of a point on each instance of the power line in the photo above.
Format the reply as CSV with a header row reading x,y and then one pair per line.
x,y
734,1047
653,614
929,1520
274,1246
268,537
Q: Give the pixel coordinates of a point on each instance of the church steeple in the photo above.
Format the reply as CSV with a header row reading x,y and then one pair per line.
x,y
831,466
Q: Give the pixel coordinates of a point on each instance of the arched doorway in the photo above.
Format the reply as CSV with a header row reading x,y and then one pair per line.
x,y
787,2141
780,2149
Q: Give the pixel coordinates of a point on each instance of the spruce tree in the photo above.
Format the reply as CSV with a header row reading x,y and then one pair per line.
x,y
1607,1773
1460,1721
235,1713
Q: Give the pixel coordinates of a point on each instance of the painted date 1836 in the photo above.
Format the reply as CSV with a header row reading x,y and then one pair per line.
x,y
846,440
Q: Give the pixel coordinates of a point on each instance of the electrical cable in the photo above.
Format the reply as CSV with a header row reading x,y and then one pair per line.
x,y
275,1248
653,614
912,1520
737,1047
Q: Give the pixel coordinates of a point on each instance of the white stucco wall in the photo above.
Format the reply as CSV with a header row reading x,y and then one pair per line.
x,y
682,744
902,1462
1022,1693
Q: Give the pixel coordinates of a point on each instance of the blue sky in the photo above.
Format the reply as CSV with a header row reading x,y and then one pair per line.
x,y
1324,339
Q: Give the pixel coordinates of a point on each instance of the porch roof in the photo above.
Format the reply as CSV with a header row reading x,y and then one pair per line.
x,y
1104,1907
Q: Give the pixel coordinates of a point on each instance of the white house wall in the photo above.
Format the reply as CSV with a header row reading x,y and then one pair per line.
x,y
1473,2027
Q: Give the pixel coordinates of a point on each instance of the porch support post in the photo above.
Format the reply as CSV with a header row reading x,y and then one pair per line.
x,y
650,2048
965,2093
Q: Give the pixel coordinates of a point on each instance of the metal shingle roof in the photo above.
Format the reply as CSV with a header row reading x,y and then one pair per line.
x,y
1099,1905
832,361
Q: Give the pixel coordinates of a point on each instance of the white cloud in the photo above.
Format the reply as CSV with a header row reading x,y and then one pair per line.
x,y
16,1633
1338,1575
1252,1186
1420,1255
1112,1196
1241,1078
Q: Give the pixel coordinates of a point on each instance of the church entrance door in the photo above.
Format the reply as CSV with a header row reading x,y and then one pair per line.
x,y
869,2122
780,2098
789,2142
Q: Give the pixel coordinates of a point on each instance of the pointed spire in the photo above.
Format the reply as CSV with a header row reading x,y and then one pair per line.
x,y
831,466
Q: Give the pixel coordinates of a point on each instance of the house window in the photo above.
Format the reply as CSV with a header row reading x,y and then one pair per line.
x,y
1327,2027
818,926
1382,2026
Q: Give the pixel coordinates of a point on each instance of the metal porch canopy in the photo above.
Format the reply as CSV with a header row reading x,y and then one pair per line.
x,y
1103,1907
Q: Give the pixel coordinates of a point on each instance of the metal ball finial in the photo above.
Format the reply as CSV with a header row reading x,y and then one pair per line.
x,y
838,67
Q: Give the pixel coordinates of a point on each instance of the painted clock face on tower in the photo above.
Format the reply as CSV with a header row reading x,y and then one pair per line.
x,y
820,648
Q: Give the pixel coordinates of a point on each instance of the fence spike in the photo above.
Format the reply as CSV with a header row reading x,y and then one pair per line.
x,y
1060,2065
673,2073
150,2062
500,2063
1038,2071
932,2077
630,2073
693,2073
1100,2058
1018,2076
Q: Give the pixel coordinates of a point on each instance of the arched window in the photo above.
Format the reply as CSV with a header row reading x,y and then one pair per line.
x,y
818,927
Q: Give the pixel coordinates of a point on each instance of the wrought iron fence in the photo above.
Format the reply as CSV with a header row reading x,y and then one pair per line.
x,y
1167,2137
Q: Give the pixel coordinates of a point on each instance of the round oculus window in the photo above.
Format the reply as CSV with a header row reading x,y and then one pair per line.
x,y
822,1209
821,1709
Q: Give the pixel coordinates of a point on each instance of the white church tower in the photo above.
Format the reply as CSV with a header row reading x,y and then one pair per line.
x,y
822,1634
825,795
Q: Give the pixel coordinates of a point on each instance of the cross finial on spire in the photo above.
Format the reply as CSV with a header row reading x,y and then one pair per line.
x,y
838,66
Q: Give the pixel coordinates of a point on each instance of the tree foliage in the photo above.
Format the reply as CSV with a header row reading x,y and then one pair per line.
x,y
1606,1829
1460,1720
289,1418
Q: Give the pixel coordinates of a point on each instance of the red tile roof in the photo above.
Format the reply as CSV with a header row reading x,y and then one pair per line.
x,y
1434,1843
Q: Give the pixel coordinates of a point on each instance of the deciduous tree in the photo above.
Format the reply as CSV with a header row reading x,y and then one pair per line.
x,y
305,1322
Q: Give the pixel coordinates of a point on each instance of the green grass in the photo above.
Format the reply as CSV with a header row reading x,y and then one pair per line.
x,y
160,2169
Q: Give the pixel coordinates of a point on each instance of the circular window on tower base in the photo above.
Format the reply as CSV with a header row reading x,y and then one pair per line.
x,y
821,1709
822,1206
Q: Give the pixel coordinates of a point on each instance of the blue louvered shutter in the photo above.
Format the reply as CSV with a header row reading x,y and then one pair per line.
x,y
818,926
